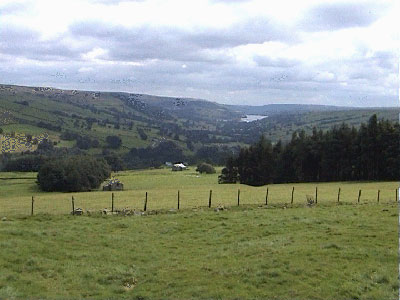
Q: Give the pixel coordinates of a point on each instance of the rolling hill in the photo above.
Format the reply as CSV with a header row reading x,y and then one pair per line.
x,y
142,120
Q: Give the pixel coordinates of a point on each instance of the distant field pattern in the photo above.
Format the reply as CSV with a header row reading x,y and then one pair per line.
x,y
20,142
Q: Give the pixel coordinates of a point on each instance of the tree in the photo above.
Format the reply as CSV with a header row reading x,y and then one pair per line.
x,y
205,168
115,162
113,141
229,174
83,143
342,153
73,174
24,163
45,146
142,134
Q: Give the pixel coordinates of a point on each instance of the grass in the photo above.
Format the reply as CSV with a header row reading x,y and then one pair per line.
x,y
323,252
327,251
162,186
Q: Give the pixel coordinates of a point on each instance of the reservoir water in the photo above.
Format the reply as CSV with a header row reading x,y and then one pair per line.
x,y
252,118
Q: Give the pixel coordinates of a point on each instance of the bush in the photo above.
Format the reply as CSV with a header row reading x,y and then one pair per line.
x,y
115,162
205,168
86,142
73,174
45,146
113,141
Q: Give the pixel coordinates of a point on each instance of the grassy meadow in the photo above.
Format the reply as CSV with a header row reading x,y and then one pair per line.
x,y
323,252
327,251
162,186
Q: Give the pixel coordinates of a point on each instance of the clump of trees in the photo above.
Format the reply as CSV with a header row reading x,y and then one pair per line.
x,y
205,168
73,174
85,142
229,174
154,156
142,134
25,163
371,152
113,141
114,160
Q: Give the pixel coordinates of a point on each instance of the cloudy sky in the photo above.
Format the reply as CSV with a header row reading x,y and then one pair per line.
x,y
240,52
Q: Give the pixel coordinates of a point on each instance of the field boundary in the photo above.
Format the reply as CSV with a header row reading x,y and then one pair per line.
x,y
114,209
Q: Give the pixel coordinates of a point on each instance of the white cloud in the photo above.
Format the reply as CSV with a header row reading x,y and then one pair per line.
x,y
324,76
85,69
95,54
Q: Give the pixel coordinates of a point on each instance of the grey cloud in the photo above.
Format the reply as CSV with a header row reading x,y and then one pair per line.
x,y
136,43
24,42
225,83
386,60
147,42
334,16
372,68
254,31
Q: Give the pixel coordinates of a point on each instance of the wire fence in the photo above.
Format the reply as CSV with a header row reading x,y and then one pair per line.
x,y
189,198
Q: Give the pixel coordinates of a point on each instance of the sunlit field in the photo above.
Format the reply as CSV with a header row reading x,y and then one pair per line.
x,y
162,186
320,252
331,250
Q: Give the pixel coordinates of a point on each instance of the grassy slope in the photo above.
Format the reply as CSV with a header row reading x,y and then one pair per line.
x,y
325,252
41,109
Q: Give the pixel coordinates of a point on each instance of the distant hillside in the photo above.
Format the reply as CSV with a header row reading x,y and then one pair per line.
x,y
272,109
83,120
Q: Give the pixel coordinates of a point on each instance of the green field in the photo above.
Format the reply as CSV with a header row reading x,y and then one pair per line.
x,y
162,186
280,251
324,252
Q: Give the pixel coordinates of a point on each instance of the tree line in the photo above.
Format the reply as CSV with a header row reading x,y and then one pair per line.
x,y
343,153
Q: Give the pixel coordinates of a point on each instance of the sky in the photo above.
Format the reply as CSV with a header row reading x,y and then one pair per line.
x,y
251,52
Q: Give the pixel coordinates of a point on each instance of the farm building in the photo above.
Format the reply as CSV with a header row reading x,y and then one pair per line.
x,y
113,185
179,167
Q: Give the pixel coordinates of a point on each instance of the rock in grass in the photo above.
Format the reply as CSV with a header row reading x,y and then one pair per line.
x,y
219,208
4,219
77,212
106,211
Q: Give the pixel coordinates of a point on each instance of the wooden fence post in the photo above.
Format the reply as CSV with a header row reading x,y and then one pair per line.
x,y
178,199
145,203
73,205
266,198
238,197
316,195
379,191
209,199
112,202
33,200
359,196
291,202
338,196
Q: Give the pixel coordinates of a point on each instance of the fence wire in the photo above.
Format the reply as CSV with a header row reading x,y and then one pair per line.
x,y
192,197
